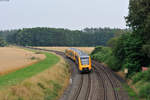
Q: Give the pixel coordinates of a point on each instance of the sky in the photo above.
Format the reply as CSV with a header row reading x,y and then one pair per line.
x,y
71,14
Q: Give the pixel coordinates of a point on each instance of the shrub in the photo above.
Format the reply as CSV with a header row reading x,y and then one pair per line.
x,y
96,50
113,63
104,54
145,76
133,66
2,42
144,92
137,77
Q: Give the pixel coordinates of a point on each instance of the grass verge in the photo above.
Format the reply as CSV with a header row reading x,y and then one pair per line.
x,y
19,75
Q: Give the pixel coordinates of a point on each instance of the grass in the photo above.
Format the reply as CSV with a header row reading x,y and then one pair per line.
x,y
24,73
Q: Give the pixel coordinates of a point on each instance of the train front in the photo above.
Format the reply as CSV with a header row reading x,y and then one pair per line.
x,y
85,63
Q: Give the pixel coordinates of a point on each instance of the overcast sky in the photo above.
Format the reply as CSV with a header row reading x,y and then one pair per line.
x,y
72,14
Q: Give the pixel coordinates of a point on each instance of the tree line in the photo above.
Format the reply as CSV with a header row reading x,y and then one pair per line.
x,y
60,37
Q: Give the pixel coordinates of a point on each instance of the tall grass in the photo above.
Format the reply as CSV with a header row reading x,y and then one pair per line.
x,y
19,75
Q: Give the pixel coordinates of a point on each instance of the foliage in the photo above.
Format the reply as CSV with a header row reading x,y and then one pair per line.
x,y
146,49
104,54
2,42
141,76
139,18
6,33
145,91
128,51
62,37
112,42
131,92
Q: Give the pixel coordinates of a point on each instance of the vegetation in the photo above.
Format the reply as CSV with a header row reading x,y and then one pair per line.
x,y
141,82
49,84
132,49
19,75
60,37
104,54
2,42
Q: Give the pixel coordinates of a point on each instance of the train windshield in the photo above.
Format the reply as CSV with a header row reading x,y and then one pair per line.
x,y
85,60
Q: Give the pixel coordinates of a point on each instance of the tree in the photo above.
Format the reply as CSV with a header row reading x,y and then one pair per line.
x,y
62,37
128,51
139,18
2,42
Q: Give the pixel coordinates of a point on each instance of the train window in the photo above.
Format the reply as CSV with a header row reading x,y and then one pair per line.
x,y
85,60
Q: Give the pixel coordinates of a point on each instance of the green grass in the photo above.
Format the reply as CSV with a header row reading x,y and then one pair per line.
x,y
24,73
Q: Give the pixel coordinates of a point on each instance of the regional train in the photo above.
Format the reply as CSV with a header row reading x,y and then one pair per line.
x,y
82,59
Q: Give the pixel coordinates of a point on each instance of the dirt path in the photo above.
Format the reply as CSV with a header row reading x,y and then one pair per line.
x,y
12,58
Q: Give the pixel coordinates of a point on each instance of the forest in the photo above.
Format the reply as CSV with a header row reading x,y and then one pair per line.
x,y
60,37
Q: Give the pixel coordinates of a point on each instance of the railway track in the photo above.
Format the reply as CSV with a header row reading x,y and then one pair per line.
x,y
98,85
106,78
76,95
100,79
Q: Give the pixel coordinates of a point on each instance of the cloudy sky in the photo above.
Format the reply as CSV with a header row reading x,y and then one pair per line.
x,y
72,14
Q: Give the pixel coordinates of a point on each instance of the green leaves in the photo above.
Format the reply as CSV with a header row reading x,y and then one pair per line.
x,y
2,42
139,18
128,50
62,37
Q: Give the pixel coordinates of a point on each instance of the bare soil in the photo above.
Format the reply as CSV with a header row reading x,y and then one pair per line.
x,y
12,58
62,49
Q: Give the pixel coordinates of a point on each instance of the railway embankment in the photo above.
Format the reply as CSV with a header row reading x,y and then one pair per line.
x,y
100,84
45,80
105,56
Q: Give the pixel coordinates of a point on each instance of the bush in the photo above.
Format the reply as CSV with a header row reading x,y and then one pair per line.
x,y
144,92
96,50
144,76
2,42
104,54
113,63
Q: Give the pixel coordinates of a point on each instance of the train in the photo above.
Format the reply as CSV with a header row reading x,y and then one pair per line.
x,y
82,59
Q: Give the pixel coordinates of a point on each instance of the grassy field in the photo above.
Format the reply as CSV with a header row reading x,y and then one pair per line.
x,y
19,75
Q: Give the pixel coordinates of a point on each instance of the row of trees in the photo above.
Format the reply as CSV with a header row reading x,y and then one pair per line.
x,y
62,37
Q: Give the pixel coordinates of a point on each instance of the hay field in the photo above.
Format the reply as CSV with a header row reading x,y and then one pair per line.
x,y
12,58
85,49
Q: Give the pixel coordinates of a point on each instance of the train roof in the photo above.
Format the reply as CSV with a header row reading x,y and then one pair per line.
x,y
80,53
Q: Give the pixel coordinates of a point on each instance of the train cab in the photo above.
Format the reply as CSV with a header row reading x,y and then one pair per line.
x,y
82,59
